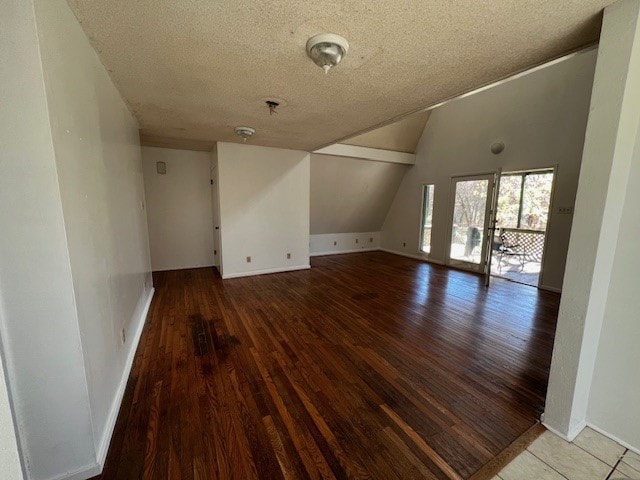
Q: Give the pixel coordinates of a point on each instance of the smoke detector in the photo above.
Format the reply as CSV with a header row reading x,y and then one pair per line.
x,y
327,49
245,132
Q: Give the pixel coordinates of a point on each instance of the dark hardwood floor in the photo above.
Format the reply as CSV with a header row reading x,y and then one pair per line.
x,y
366,366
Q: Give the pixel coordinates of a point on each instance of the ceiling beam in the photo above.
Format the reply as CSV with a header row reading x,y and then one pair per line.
x,y
366,153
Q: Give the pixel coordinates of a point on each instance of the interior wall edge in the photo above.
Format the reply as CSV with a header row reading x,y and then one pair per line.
x,y
595,274
41,344
571,435
12,458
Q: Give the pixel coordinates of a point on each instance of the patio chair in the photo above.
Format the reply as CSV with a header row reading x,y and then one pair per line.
x,y
506,249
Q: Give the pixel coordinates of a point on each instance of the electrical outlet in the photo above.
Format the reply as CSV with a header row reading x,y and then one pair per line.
x,y
123,337
565,210
335,243
248,259
288,256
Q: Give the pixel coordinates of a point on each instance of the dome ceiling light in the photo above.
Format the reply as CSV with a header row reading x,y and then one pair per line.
x,y
326,50
245,132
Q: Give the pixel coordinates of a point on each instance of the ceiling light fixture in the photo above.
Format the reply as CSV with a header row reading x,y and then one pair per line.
x,y
326,50
245,132
272,105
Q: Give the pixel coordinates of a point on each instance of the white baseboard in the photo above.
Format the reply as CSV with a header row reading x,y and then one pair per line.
x,y
82,474
94,469
103,448
423,258
182,267
434,261
613,437
265,272
341,252
550,289
404,254
570,436
339,243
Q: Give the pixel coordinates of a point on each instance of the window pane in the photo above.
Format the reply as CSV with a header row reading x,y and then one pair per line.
x,y
509,201
427,215
535,201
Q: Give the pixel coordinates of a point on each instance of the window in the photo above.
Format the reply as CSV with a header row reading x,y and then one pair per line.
x,y
509,201
523,201
427,216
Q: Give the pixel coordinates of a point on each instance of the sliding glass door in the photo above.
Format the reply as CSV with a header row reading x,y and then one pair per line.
x,y
522,216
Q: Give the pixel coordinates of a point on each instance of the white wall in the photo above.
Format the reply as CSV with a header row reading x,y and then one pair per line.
x,y
334,243
593,371
99,167
351,195
179,208
614,403
41,340
541,118
9,456
74,247
264,209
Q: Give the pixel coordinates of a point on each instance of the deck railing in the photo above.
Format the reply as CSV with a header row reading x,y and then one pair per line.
x,y
529,242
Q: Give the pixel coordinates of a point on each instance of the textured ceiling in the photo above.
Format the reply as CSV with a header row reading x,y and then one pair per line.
x,y
194,69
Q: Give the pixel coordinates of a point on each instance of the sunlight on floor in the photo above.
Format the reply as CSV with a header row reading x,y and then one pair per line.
x,y
511,268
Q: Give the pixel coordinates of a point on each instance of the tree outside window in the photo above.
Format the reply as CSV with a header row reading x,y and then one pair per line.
x,y
524,200
427,218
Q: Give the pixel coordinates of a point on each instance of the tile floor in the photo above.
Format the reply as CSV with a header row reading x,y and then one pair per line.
x,y
591,456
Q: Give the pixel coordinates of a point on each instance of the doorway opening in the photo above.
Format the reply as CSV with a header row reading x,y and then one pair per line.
x,y
524,199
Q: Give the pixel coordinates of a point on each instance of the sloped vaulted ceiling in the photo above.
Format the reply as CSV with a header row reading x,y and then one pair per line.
x,y
400,136
192,70
350,194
